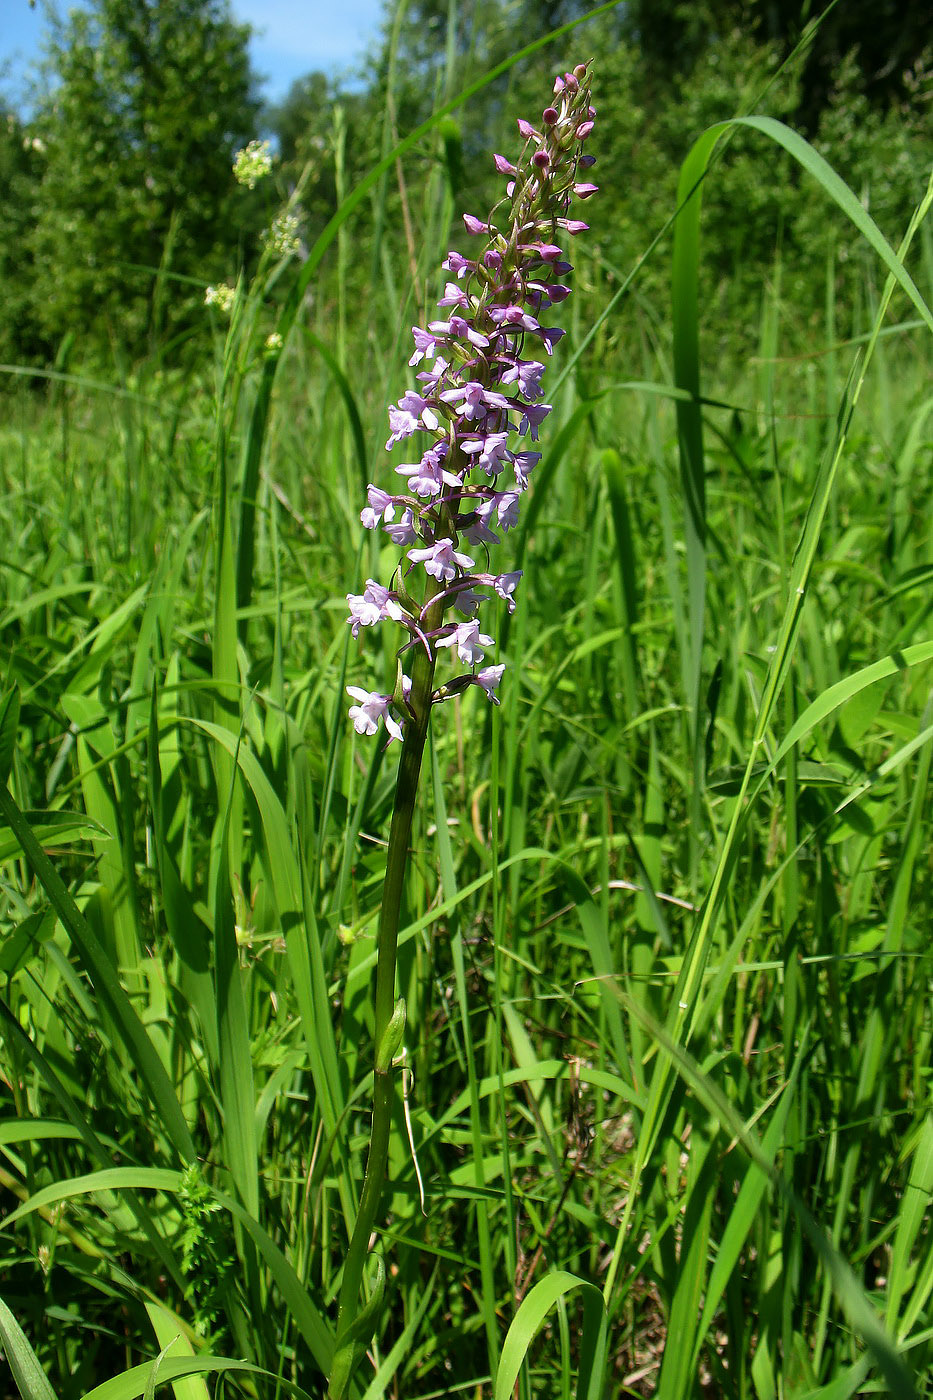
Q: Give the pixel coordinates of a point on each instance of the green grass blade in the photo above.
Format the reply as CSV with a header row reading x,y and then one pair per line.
x,y
842,691
170,1370
313,1327
31,1381
747,1202
237,1091
530,1318
9,723
677,1368
116,909
174,1343
110,1179
35,1130
851,1296
105,982
302,942
625,558
188,934
913,1213
471,1096
97,1146
353,412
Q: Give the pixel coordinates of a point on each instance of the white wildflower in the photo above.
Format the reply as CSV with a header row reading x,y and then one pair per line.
x,y
220,296
253,163
283,237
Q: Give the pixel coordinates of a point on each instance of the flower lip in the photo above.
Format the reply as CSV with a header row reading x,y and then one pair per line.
x,y
468,640
489,679
547,252
454,296
425,345
441,560
372,708
402,532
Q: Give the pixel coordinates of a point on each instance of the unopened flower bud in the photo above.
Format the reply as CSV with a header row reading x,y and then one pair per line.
x,y
549,116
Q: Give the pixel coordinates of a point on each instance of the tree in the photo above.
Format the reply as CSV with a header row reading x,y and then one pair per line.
x,y
887,38
21,158
147,102
302,121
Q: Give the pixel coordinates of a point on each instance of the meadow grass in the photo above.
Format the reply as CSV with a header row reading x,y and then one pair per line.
x,y
666,1126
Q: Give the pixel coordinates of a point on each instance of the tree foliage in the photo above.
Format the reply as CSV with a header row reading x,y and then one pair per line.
x,y
884,39
20,163
147,102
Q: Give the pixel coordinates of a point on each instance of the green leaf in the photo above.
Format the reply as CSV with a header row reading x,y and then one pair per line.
x,y
237,1091
839,694
132,1384
20,944
529,1320
302,943
54,828
31,1380
9,723
35,1130
110,1179
174,1343
914,1212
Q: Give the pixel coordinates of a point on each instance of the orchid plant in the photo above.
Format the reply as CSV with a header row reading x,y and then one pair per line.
x,y
480,390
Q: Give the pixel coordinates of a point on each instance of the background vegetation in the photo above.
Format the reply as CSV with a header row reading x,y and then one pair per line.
x,y
667,955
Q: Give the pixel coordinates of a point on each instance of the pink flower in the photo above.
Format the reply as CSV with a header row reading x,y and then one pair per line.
x,y
489,679
441,560
468,640
371,709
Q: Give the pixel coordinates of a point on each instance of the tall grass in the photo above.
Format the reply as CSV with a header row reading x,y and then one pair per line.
x,y
667,1122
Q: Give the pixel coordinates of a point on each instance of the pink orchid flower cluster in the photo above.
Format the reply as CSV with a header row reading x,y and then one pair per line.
x,y
480,388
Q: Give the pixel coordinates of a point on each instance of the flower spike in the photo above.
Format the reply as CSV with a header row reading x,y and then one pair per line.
x,y
480,392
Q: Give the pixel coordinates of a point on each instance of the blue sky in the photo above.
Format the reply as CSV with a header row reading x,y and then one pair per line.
x,y
291,38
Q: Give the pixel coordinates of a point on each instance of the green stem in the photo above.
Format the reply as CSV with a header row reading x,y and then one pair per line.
x,y
406,791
